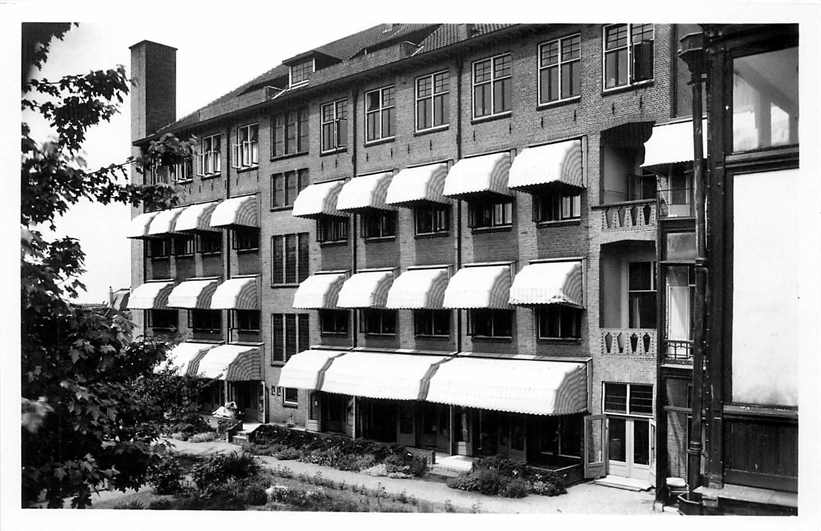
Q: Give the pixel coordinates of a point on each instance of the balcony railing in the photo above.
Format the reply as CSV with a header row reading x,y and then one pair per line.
x,y
675,202
628,341
629,216
677,351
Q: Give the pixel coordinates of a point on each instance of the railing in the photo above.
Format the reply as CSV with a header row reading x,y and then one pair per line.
x,y
628,341
629,215
677,351
675,202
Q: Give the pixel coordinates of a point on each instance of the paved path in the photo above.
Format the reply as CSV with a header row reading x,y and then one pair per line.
x,y
584,498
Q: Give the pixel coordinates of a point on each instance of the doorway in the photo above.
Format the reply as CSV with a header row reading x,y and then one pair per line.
x,y
628,447
435,423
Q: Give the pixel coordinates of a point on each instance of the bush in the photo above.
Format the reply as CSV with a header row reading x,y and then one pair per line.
x,y
515,488
255,495
219,468
179,435
160,505
132,505
205,436
287,454
166,475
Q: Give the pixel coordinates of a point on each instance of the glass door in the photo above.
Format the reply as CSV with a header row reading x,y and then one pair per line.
x,y
628,447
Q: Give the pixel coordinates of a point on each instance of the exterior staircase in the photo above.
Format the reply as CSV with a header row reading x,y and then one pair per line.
x,y
245,434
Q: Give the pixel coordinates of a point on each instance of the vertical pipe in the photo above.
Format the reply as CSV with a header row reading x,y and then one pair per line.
x,y
458,225
353,224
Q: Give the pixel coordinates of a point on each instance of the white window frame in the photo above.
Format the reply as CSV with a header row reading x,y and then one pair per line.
x,y
381,109
209,160
304,81
334,122
492,80
432,98
242,145
629,45
628,412
558,65
180,169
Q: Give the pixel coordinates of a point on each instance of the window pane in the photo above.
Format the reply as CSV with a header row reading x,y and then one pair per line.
x,y
304,333
641,399
481,71
423,114
681,246
372,126
423,87
642,312
621,68
615,36
290,335
617,443
372,101
303,257
303,131
481,100
640,276
440,82
615,397
290,259
387,123
501,96
549,53
643,61
501,66
440,110
571,48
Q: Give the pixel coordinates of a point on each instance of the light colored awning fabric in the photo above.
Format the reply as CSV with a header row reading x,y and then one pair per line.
x,y
671,143
319,291
193,294
476,175
234,363
422,183
196,217
236,294
120,298
164,222
150,296
138,228
368,191
305,369
558,164
418,288
516,386
318,200
479,287
185,356
549,283
366,290
237,211
378,375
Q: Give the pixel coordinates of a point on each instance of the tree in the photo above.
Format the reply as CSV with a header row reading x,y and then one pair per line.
x,y
86,417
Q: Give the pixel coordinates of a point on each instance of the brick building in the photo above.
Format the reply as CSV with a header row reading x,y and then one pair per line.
x,y
444,235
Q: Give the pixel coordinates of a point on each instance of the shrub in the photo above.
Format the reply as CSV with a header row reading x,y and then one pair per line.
x,y
132,505
160,505
255,495
205,436
515,488
179,435
219,468
166,475
287,454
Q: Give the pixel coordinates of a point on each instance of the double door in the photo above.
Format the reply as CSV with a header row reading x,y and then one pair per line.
x,y
629,447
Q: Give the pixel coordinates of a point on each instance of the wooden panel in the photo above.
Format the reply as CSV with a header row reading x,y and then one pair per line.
x,y
761,453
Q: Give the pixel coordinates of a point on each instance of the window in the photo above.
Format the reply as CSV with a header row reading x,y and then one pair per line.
x,y
630,399
286,186
301,72
159,247
184,245
433,219
246,239
378,322
491,323
555,206
246,150
331,229
289,133
490,213
210,242
289,335
290,396
432,101
560,69
180,172
246,320
642,294
333,322
679,293
210,157
208,322
379,224
628,54
334,122
492,86
558,322
379,114
290,258
165,320
431,323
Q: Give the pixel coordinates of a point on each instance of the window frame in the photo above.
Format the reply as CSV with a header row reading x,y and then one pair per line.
x,y
150,320
303,179
235,240
430,331
561,313
338,123
236,321
380,110
210,156
324,314
338,221
495,313
630,66
559,64
492,81
653,289
301,120
628,411
381,312
301,82
279,347
383,220
433,210
189,248
200,330
239,161
209,252
574,206
492,204
299,275
432,99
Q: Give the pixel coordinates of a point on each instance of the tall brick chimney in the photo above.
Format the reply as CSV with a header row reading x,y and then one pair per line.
x,y
154,87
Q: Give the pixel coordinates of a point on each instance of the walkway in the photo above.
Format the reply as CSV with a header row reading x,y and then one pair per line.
x,y
586,498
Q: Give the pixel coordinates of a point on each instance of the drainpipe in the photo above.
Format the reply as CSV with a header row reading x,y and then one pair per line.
x,y
458,225
692,52
227,254
354,217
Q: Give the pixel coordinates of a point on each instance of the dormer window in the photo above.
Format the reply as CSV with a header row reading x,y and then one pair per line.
x,y
301,72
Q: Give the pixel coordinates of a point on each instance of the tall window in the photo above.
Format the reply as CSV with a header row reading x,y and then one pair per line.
x,y
560,69
289,133
334,125
378,322
433,219
492,86
490,213
210,157
490,323
558,322
289,334
628,54
679,293
432,101
333,322
290,258
379,114
331,229
246,150
301,72
209,242
554,206
642,294
245,239
379,224
286,186
434,323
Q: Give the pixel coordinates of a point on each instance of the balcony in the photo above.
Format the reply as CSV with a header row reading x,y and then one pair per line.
x,y
677,352
628,342
628,220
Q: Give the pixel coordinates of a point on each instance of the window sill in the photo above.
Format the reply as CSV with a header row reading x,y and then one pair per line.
x,y
428,235
377,239
184,181
333,334
281,208
491,117
211,253
493,339
379,141
437,129
558,223
247,251
244,169
333,152
209,176
558,103
379,335
285,285
559,340
155,258
277,363
625,88
500,228
335,243
292,405
432,337
275,158
188,255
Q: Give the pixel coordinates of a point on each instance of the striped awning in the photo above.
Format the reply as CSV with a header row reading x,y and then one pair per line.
x,y
151,296
379,375
517,386
235,363
549,283
236,294
306,369
671,143
237,211
319,291
422,183
318,200
486,174
196,217
555,165
164,222
185,356
479,287
119,299
419,288
366,290
138,228
194,294
365,192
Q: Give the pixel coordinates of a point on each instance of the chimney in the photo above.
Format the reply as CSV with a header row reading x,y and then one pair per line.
x,y
154,87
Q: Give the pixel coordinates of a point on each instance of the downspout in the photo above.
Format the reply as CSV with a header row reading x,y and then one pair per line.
x,y
692,52
354,217
458,225
227,254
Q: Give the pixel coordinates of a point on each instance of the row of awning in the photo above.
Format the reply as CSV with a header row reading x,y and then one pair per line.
x,y
202,217
219,362
240,293
514,385
475,286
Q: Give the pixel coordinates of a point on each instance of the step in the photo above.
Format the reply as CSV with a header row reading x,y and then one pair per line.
x,y
620,482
